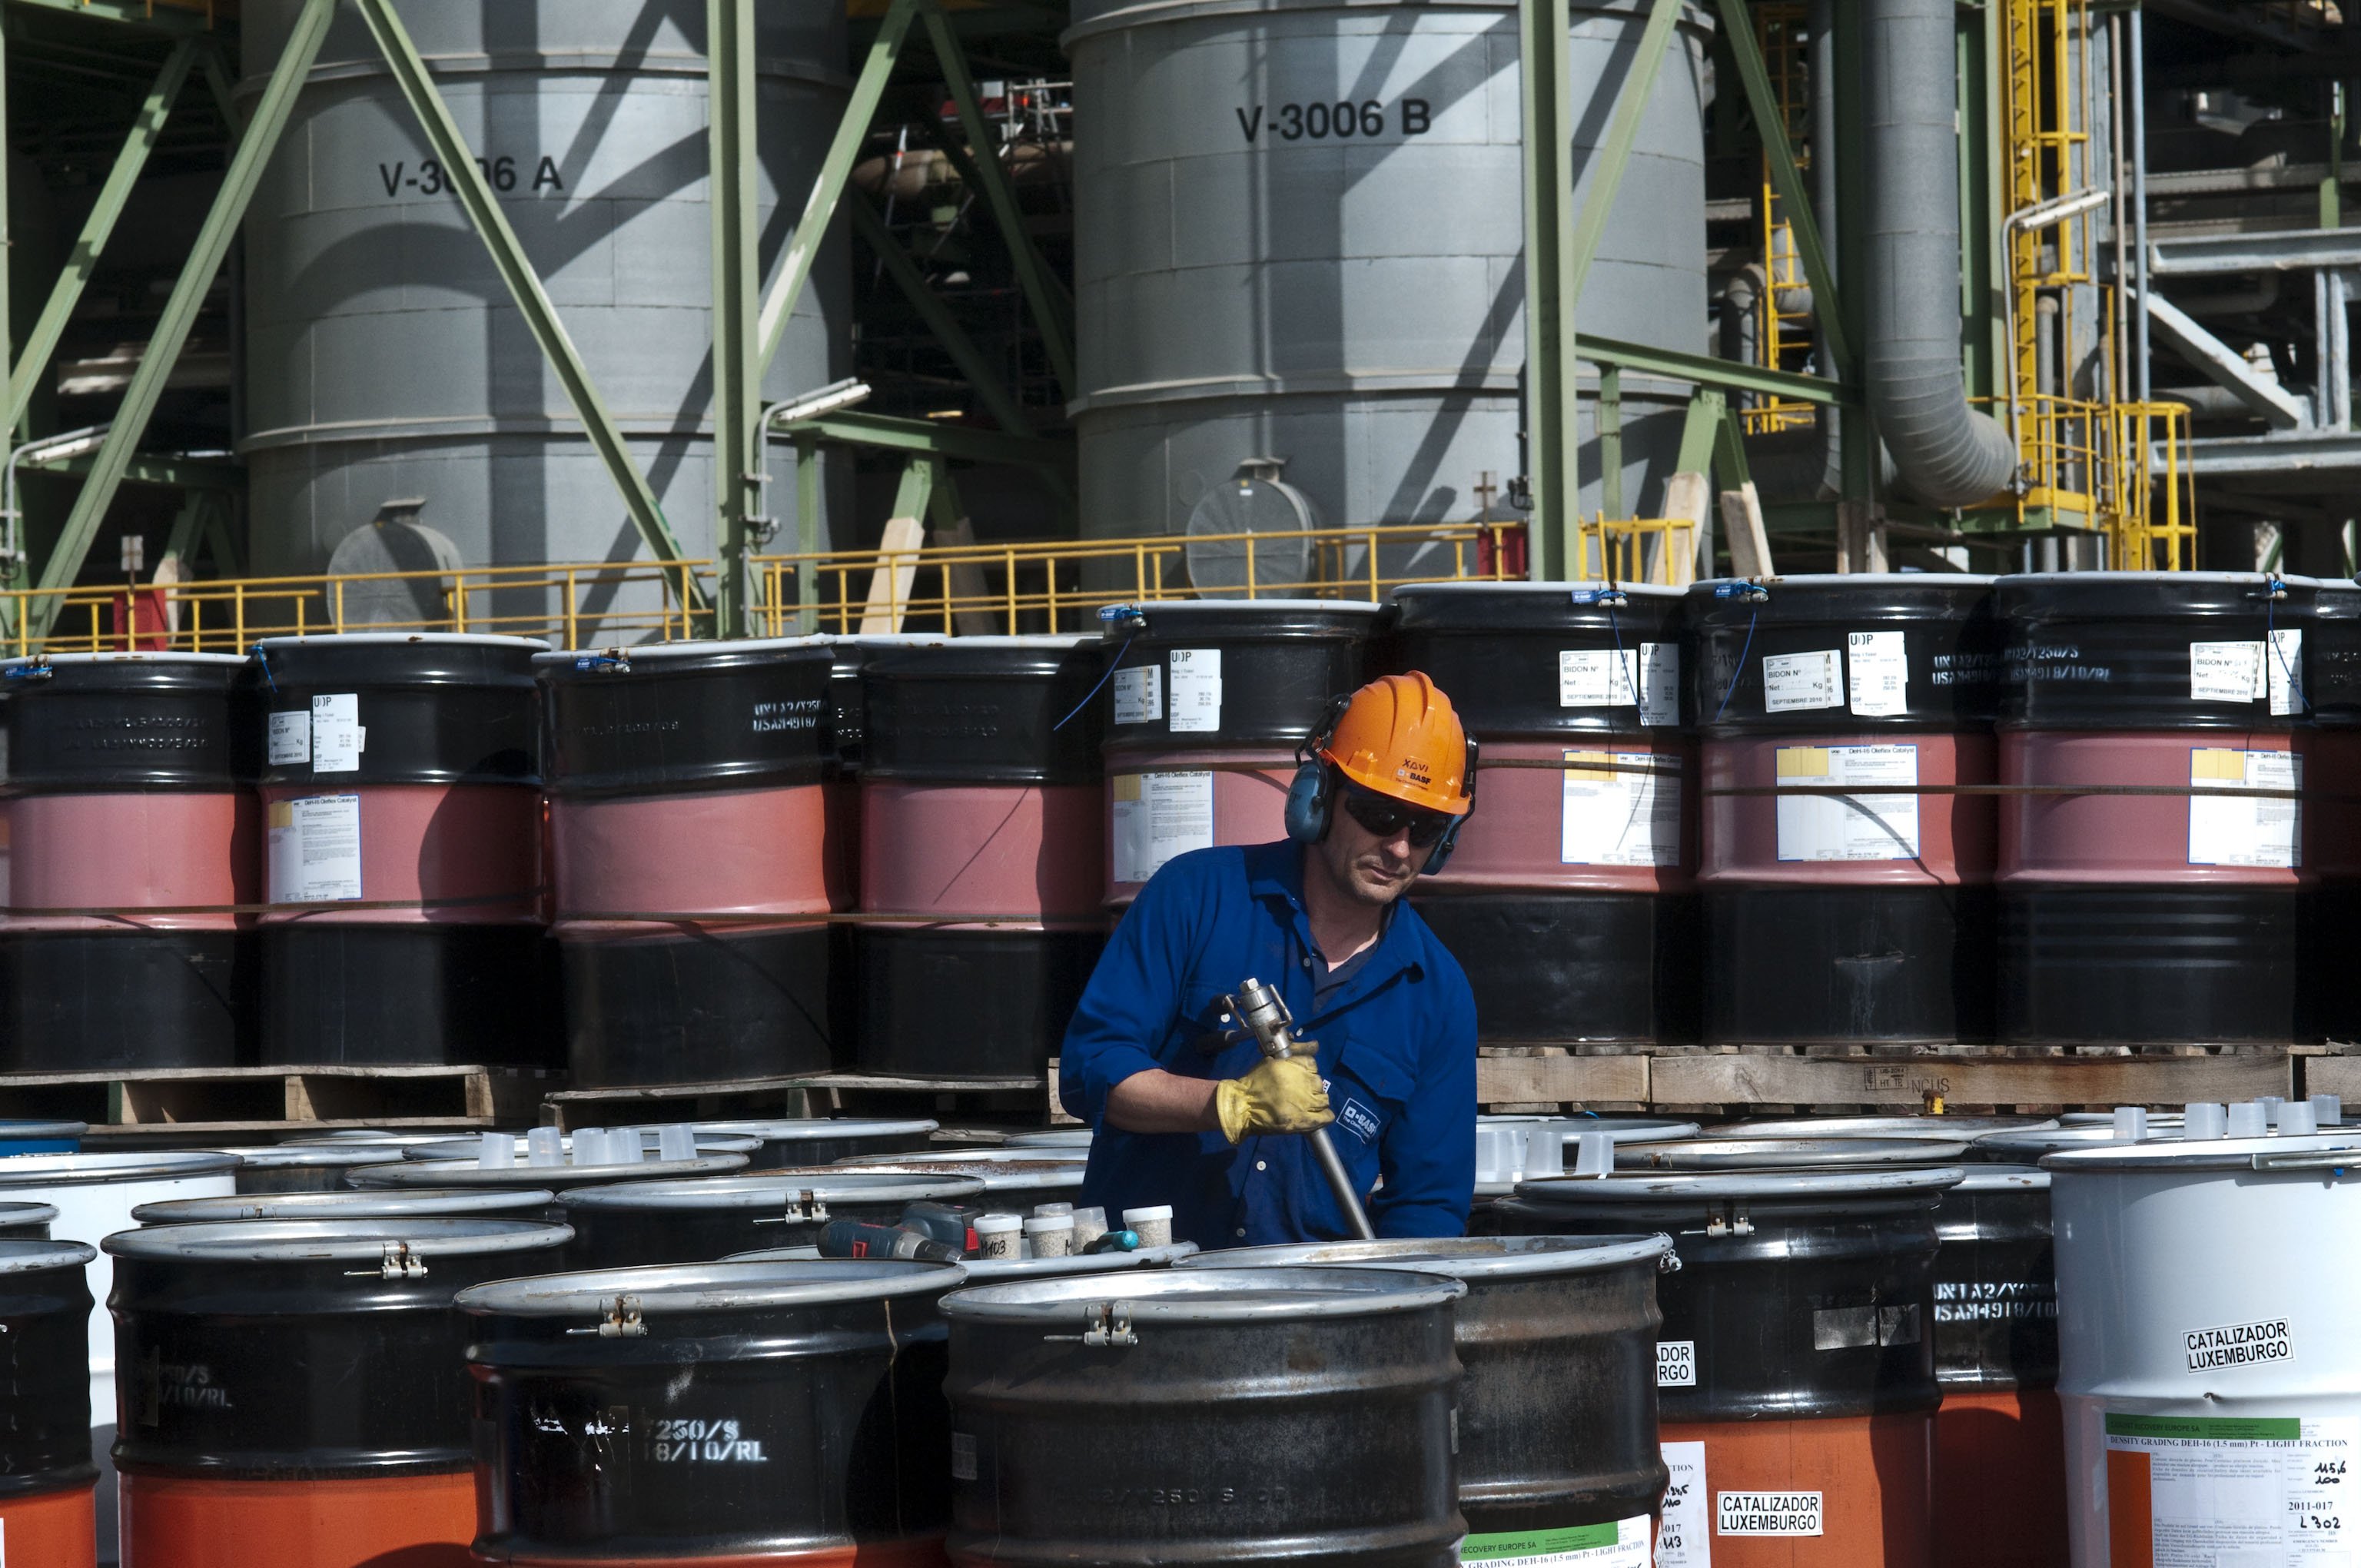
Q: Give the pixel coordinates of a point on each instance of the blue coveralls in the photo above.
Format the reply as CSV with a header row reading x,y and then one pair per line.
x,y
1397,1050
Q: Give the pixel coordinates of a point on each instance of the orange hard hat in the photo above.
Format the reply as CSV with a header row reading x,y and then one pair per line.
x,y
1398,737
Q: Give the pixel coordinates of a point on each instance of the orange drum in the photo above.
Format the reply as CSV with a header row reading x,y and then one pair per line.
x,y
197,1521
55,1530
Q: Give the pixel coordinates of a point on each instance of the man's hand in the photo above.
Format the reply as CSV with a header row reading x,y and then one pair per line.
x,y
1280,1095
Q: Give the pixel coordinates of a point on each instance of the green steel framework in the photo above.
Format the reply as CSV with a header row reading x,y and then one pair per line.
x,y
751,318
748,322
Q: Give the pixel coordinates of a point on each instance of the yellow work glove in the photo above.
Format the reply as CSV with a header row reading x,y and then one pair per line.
x,y
1280,1095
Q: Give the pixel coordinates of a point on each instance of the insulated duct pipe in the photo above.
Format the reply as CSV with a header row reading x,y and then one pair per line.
x,y
1947,454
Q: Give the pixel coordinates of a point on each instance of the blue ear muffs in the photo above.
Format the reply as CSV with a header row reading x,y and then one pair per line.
x,y
1310,802
1440,856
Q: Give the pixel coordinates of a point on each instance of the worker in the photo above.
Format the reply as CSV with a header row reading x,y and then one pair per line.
x,y
1186,1110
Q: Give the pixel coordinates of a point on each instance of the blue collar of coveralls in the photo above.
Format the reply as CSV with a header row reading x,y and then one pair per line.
x,y
1274,872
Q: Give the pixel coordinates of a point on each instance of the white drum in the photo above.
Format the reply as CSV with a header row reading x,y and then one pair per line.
x,y
2209,1328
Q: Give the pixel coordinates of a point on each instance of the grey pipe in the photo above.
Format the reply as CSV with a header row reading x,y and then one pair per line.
x,y
1948,453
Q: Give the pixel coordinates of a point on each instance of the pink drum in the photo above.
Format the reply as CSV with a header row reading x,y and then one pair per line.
x,y
1206,705
2154,873
1846,881
689,816
981,873
131,851
400,805
1571,899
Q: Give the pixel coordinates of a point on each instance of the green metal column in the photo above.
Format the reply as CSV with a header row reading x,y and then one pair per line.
x,y
807,534
1611,441
113,197
1553,434
469,184
172,333
1982,206
737,375
1631,97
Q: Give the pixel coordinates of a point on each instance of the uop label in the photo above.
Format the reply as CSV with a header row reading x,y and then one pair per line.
x,y
1767,1513
2239,1344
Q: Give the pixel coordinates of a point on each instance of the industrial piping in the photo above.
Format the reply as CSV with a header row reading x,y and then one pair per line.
x,y
1948,455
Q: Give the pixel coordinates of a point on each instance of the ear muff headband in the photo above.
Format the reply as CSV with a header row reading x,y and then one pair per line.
x,y
1311,796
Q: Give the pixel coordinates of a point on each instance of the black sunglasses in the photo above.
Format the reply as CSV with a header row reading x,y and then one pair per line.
x,y
1387,817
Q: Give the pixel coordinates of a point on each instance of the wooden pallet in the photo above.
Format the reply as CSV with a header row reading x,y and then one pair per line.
x,y
1742,1080
819,1094
272,1099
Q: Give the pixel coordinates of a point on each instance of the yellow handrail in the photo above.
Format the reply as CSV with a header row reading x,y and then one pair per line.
x,y
1007,587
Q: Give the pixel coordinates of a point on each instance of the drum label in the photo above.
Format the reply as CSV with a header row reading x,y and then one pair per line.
x,y
2197,1491
2239,1344
1792,681
1158,816
1877,674
1196,690
1140,695
1676,1363
337,738
1600,677
2250,671
1683,1539
1623,1543
2264,831
1864,827
290,738
1767,1513
1618,809
314,848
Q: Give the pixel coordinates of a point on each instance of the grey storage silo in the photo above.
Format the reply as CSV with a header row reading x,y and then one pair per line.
x,y
387,361
1299,235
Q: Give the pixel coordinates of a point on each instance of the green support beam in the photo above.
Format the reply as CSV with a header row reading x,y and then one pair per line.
x,y
852,131
1631,97
1730,449
224,94
998,401
474,190
889,434
1700,430
83,260
180,315
1706,370
1611,441
1552,429
807,534
1053,311
737,275
1622,133
1738,25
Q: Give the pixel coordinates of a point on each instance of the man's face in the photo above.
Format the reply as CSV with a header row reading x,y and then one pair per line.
x,y
1370,866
